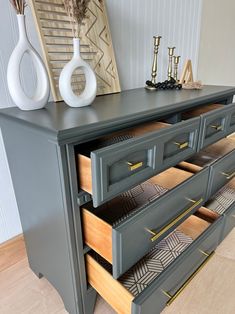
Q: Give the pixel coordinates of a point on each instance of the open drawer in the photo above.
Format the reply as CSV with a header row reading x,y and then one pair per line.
x,y
217,121
126,228
223,203
158,278
115,163
221,159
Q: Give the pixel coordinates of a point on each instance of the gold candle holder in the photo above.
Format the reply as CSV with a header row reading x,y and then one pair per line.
x,y
176,60
170,53
157,40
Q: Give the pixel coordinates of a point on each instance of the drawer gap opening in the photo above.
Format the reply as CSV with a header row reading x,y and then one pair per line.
x,y
209,155
126,288
98,222
200,111
120,136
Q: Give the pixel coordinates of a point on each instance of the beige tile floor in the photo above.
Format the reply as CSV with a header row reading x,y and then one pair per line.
x,y
212,291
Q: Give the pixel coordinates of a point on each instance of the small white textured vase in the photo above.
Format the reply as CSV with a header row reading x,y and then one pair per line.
x,y
42,92
89,93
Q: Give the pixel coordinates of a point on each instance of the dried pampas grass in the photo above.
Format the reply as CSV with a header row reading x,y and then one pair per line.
x,y
19,6
76,10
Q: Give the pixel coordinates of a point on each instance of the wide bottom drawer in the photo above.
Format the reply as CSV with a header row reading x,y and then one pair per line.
x,y
158,278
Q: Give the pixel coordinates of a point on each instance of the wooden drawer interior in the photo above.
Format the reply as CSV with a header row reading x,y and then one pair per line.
x,y
196,112
209,155
98,222
84,160
118,293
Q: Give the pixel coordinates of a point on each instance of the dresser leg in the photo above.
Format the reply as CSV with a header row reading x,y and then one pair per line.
x,y
35,271
90,301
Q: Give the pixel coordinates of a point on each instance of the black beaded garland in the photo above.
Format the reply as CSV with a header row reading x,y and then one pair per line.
x,y
166,85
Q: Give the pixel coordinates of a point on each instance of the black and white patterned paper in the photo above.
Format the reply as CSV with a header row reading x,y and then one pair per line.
x,y
222,200
151,265
129,203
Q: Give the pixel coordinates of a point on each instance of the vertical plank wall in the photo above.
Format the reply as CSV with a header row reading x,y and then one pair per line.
x,y
133,23
216,60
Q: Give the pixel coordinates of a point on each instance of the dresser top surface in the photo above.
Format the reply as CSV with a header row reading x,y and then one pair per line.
x,y
130,106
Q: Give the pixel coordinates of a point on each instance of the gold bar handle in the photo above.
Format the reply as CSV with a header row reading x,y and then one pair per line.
x,y
181,289
134,166
157,235
182,145
217,127
228,176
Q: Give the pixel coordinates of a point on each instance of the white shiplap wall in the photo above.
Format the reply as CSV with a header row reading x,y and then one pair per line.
x,y
133,23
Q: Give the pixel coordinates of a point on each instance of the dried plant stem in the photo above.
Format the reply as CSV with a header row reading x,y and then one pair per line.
x,y
76,10
19,6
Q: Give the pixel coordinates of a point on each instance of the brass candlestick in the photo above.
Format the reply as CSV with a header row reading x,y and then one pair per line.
x,y
170,53
176,60
157,40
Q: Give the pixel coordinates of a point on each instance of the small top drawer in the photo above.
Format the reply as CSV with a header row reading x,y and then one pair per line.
x,y
124,229
115,163
231,120
217,121
222,171
220,157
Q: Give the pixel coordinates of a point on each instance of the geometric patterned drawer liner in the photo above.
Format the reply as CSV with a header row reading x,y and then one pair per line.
x,y
222,200
101,143
140,276
129,203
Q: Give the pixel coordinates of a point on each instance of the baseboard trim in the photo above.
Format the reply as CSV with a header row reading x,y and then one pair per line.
x,y
12,251
12,241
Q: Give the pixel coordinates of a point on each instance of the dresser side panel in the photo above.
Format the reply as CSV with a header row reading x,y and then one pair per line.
x,y
36,174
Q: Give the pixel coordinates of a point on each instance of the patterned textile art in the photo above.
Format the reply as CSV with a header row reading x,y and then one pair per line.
x,y
129,203
150,267
222,200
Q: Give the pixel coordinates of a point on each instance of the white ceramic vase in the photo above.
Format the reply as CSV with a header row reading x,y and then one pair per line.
x,y
89,93
42,92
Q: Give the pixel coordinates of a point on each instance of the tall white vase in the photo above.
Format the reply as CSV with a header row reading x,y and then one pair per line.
x,y
41,95
89,93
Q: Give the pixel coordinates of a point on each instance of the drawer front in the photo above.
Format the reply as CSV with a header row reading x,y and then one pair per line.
x,y
231,120
229,221
213,126
178,144
175,278
121,166
133,238
221,172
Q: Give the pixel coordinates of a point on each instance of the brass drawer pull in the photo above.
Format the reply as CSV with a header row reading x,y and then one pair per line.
x,y
217,127
134,166
181,289
157,235
182,145
228,176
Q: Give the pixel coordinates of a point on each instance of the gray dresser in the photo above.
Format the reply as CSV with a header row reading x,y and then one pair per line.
x,y
128,197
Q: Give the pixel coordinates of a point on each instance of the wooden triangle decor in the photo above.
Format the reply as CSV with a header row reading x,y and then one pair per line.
x,y
187,74
56,39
